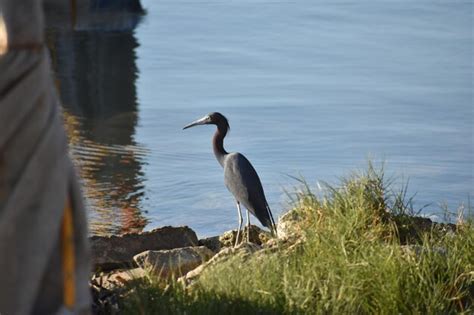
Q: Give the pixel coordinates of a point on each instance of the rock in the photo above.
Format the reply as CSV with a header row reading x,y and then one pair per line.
x,y
227,239
104,301
411,228
289,225
257,236
106,290
118,278
112,252
212,243
272,243
165,263
288,243
243,250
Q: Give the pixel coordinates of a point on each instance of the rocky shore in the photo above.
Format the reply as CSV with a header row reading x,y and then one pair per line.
x,y
169,252
176,252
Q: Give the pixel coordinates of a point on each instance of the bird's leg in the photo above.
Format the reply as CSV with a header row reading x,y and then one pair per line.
x,y
248,226
240,224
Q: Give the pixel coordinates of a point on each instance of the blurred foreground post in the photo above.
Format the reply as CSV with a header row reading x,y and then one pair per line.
x,y
44,256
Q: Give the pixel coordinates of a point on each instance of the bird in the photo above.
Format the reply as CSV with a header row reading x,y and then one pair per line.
x,y
240,177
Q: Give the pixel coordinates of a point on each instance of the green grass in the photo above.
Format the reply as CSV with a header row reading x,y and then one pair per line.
x,y
351,263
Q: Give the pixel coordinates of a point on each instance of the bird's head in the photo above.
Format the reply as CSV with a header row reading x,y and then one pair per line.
x,y
211,119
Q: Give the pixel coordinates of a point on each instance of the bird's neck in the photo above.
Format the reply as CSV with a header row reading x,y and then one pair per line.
x,y
218,144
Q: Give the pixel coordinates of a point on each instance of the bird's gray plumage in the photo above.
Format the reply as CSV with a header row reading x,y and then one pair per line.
x,y
243,182
240,176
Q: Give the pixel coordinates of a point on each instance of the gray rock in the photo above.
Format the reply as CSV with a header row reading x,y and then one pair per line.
x,y
165,263
212,243
112,252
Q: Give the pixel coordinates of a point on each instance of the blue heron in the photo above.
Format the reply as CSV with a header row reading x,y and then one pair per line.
x,y
239,176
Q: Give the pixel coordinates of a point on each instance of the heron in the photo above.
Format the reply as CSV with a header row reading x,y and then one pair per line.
x,y
240,177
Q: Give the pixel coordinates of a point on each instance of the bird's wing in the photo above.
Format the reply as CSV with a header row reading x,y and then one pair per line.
x,y
243,182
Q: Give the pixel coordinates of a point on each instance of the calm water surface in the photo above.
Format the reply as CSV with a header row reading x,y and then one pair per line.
x,y
311,88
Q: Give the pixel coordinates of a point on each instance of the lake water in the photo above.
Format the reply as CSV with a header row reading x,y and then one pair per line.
x,y
311,88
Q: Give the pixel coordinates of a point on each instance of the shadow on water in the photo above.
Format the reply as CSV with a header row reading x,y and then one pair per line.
x,y
95,73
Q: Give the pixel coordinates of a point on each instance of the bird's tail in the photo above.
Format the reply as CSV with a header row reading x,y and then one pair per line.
x,y
272,227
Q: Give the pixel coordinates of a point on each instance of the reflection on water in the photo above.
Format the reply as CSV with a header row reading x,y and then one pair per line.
x,y
96,74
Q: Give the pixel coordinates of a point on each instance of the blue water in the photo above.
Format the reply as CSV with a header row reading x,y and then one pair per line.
x,y
311,88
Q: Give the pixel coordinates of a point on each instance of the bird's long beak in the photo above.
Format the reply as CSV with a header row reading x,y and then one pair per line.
x,y
198,122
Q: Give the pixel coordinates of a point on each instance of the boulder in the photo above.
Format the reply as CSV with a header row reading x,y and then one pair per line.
x,y
165,263
112,252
